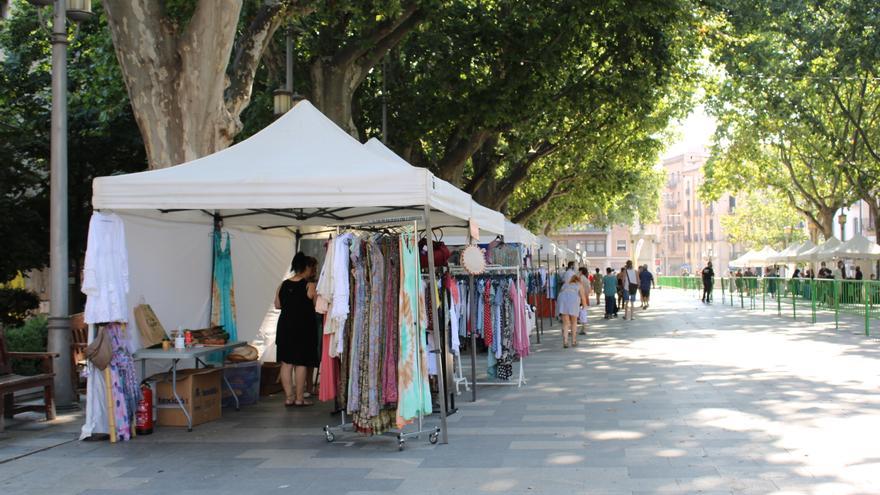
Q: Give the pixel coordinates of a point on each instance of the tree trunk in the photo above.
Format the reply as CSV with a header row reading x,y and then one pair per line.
x,y
458,150
339,71
185,104
826,219
333,87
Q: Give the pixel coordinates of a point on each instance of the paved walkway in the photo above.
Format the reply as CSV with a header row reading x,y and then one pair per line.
x,y
685,399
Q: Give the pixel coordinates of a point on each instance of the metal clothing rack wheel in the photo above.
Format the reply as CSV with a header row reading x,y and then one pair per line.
x,y
436,433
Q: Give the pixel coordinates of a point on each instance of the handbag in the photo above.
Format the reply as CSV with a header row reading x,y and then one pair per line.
x,y
100,351
632,287
441,253
582,315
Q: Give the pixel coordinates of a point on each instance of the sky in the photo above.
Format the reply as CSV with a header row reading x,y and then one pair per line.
x,y
693,134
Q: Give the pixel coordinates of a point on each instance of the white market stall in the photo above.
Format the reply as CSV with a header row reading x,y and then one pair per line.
x,y
755,258
489,221
857,248
763,257
791,253
822,252
300,173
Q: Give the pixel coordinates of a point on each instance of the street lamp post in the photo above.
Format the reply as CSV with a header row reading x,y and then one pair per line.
x,y
59,311
284,99
59,321
842,221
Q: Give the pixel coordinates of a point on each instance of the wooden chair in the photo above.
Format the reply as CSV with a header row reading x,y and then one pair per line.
x,y
10,383
79,340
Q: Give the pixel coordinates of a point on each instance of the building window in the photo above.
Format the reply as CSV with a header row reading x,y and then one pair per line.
x,y
595,247
621,246
731,205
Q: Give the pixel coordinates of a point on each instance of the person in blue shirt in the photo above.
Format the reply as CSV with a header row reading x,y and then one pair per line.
x,y
646,282
610,289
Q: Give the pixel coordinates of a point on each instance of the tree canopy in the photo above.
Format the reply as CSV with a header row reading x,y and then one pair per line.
x,y
103,137
550,111
525,104
763,218
797,104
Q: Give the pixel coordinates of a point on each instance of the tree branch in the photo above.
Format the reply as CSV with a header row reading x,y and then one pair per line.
x,y
371,58
458,150
359,47
520,172
251,47
538,204
848,113
786,160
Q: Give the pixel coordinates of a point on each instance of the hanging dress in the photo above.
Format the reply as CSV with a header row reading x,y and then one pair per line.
x,y
222,289
414,395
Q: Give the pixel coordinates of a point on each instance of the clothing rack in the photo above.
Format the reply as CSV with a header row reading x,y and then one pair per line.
x,y
435,433
492,269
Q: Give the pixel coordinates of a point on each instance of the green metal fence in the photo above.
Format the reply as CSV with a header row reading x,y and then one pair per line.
x,y
801,298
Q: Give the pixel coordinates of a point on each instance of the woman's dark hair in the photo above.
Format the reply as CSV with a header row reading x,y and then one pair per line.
x,y
300,262
584,270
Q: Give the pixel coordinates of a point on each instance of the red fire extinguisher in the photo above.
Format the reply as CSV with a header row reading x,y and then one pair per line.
x,y
144,415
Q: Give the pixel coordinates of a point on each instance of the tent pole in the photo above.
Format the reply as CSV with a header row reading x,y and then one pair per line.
x,y
439,335
539,327
472,308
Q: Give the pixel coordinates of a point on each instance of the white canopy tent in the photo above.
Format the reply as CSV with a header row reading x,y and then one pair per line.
x,y
547,245
821,252
857,248
763,257
790,254
489,221
301,172
744,259
514,232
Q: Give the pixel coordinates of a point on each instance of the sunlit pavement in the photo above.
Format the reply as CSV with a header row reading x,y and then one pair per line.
x,y
686,398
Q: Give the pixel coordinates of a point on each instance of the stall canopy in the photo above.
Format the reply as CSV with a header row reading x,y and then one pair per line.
x,y
489,221
821,252
762,257
857,248
743,260
548,247
791,253
301,170
756,258
514,232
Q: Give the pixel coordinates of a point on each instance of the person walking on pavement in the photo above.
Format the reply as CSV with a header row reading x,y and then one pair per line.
x,y
646,282
597,285
630,287
708,280
571,299
585,283
609,283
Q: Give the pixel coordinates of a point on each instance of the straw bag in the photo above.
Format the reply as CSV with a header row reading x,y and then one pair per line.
x,y
100,351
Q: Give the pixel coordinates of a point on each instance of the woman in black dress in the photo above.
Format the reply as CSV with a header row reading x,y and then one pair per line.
x,y
295,336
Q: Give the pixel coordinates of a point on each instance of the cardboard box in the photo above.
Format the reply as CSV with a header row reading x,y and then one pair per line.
x,y
199,389
244,378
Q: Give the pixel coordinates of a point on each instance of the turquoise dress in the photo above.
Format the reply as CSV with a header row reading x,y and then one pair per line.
x,y
413,390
